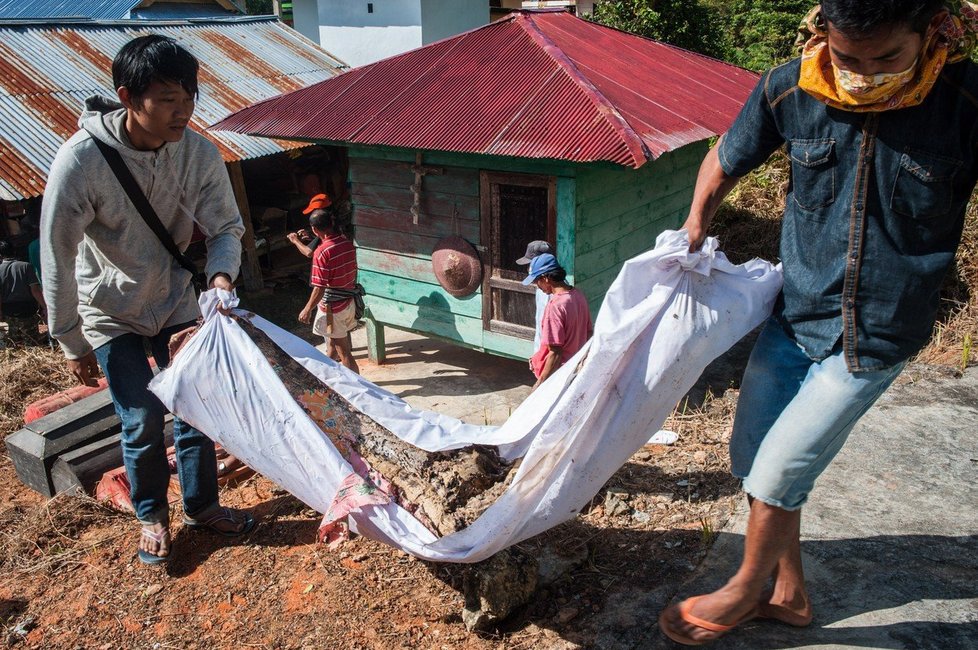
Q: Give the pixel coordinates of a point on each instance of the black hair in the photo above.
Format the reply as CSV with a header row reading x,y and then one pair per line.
x,y
323,219
866,17
6,250
151,58
558,275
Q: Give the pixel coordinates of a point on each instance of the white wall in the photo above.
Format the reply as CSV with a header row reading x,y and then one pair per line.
x,y
347,30
358,37
443,18
305,19
583,6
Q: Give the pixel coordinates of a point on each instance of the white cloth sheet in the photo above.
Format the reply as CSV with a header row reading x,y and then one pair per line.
x,y
667,315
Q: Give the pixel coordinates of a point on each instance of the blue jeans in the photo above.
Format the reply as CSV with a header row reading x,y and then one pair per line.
x,y
124,362
794,415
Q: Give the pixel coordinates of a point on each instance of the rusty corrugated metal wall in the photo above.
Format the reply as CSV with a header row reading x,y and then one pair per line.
x,y
95,9
48,68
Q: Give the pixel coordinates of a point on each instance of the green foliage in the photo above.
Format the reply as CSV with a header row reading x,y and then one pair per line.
x,y
761,33
686,23
754,34
707,532
259,7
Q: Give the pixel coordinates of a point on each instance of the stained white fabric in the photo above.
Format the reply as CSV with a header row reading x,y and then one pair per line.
x,y
667,315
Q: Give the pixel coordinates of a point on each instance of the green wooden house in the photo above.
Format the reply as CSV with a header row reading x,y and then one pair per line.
x,y
538,126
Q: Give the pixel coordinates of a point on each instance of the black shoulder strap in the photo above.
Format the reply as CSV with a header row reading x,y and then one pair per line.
x,y
143,206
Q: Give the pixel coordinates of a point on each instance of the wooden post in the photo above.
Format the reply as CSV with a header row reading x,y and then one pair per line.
x,y
250,268
420,170
564,197
376,346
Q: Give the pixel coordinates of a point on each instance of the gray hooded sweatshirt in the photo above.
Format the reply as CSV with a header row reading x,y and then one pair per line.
x,y
105,273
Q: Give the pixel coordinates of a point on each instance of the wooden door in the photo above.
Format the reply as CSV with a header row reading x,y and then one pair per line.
x,y
516,209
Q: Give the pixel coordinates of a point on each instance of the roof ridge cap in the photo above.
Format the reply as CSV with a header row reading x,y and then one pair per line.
x,y
636,145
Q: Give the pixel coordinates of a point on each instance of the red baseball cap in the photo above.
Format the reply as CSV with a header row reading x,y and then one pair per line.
x,y
317,202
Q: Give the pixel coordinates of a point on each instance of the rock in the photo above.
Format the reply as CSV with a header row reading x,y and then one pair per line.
x,y
567,614
22,628
641,517
152,590
614,503
495,587
551,566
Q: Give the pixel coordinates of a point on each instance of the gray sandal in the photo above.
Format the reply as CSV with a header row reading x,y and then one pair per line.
x,y
223,514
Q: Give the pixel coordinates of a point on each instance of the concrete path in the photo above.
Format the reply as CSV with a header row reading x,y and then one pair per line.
x,y
430,374
890,535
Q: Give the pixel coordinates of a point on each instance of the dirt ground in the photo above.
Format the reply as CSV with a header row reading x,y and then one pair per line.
x,y
69,577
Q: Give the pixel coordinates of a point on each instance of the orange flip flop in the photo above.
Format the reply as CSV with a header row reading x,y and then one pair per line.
x,y
684,609
783,615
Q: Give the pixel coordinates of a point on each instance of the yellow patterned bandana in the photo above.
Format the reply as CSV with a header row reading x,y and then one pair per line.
x,y
953,41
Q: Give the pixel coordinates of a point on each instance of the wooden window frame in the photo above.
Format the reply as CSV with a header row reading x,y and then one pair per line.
x,y
489,201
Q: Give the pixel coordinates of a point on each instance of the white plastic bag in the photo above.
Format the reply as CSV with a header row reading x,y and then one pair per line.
x,y
667,315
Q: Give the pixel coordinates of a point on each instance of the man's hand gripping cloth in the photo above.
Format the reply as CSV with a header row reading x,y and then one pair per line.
x,y
667,315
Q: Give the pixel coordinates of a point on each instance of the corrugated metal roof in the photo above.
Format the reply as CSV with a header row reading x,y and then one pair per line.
x,y
97,9
536,84
111,10
47,70
181,11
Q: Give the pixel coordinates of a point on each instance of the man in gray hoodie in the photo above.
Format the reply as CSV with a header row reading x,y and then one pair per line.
x,y
113,289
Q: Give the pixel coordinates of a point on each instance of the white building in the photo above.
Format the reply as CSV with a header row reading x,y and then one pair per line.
x,y
579,7
362,31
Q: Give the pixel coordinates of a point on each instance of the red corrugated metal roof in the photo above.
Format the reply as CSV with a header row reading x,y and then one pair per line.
x,y
536,84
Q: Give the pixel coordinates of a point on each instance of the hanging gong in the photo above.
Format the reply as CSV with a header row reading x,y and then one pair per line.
x,y
457,266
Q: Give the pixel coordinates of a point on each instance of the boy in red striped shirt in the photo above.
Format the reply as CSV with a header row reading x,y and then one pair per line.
x,y
334,271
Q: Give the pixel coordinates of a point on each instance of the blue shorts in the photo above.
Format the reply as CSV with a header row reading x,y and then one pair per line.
x,y
794,415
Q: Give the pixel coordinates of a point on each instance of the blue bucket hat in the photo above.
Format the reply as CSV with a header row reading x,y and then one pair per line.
x,y
543,263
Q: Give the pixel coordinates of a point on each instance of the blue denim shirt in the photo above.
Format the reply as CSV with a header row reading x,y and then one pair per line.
x,y
874,211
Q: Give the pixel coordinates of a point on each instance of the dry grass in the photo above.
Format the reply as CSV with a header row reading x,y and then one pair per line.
x,y
749,225
957,326
28,373
47,539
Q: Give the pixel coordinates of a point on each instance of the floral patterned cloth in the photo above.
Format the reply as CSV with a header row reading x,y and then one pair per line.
x,y
955,40
362,487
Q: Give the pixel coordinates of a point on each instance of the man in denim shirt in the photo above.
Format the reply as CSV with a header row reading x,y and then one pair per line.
x,y
879,117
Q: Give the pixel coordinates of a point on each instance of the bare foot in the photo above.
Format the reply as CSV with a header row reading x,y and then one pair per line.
x,y
154,540
790,608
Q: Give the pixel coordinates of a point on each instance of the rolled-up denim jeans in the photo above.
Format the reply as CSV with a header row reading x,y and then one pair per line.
x,y
794,414
124,362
